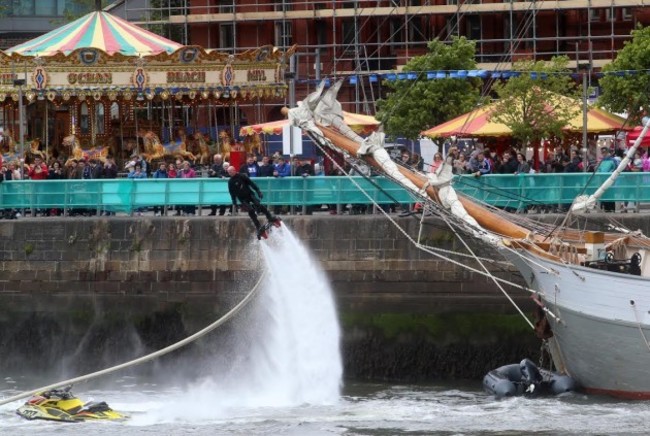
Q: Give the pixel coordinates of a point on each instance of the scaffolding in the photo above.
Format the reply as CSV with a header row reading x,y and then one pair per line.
x,y
366,38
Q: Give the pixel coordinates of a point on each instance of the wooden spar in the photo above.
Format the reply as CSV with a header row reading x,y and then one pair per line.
x,y
487,219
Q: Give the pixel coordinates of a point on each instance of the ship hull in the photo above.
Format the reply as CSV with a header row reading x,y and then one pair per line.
x,y
600,338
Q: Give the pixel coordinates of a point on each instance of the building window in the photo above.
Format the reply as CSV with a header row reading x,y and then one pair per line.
x,y
452,2
282,5
226,6
627,14
115,111
22,7
594,15
416,30
46,8
473,27
452,25
99,118
396,33
321,32
226,35
84,125
348,30
283,37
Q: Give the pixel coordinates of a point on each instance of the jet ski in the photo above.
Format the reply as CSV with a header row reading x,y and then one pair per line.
x,y
61,405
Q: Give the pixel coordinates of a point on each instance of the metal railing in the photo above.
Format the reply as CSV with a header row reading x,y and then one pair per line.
x,y
127,195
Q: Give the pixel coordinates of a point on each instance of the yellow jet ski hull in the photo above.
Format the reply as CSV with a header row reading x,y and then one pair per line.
x,y
64,407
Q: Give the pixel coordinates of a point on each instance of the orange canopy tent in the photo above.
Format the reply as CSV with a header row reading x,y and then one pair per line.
x,y
472,124
598,121
477,123
361,124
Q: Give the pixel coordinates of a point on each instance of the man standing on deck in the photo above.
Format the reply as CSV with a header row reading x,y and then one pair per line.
x,y
242,188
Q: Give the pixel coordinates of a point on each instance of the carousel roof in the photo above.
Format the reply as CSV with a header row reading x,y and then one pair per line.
x,y
99,30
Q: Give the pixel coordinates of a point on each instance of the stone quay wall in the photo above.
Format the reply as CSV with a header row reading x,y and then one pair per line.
x,y
405,314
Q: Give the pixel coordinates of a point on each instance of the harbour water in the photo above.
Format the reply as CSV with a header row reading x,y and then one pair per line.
x,y
276,370
363,409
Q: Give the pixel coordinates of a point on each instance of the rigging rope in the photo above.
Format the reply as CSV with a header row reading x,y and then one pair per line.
x,y
403,232
503,291
231,313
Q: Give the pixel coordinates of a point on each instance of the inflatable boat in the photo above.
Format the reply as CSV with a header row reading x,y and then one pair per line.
x,y
525,378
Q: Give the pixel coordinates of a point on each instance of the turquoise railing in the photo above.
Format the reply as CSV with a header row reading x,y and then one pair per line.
x,y
128,194
541,189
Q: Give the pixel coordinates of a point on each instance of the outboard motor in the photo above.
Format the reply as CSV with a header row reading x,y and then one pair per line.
x,y
530,376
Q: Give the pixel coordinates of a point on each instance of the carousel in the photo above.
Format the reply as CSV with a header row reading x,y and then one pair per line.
x,y
101,86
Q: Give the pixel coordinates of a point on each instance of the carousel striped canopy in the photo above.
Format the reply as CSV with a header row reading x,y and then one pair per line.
x,y
99,30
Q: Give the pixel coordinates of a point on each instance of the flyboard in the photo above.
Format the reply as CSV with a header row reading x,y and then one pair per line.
x,y
265,229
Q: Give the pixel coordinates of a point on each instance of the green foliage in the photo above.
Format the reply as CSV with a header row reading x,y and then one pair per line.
x,y
537,105
629,93
5,7
415,105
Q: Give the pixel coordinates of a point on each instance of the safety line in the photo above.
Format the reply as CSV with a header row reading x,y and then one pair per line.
x,y
232,312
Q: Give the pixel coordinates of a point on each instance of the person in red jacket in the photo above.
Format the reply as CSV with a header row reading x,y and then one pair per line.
x,y
38,170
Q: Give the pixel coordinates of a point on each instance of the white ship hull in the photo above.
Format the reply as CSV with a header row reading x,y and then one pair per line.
x,y
601,336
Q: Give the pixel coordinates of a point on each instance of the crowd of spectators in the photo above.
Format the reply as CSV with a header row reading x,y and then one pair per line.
x,y
139,168
486,161
477,162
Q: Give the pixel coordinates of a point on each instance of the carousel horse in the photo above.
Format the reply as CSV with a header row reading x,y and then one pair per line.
x,y
226,144
35,151
78,153
5,158
153,148
8,142
204,148
182,150
97,153
252,144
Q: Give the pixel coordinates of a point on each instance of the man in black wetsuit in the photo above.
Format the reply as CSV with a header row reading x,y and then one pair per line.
x,y
242,188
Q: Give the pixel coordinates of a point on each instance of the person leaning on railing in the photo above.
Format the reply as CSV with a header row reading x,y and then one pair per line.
x,y
187,172
55,172
137,173
160,173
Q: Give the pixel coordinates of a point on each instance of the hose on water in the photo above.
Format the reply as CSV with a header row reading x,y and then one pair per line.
x,y
232,312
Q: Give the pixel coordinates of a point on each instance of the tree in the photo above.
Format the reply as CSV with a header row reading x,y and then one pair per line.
x,y
415,105
538,101
629,92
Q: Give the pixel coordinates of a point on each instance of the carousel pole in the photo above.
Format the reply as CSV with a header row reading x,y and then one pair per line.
x,y
93,122
209,109
121,118
217,138
171,120
21,128
46,131
137,142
